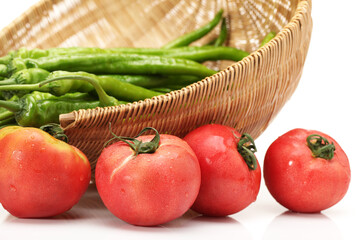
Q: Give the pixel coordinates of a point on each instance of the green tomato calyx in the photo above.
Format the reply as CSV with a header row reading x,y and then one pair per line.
x,y
137,145
320,147
246,147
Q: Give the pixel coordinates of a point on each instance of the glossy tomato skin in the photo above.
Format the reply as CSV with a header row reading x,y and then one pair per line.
x,y
301,182
227,184
148,189
40,176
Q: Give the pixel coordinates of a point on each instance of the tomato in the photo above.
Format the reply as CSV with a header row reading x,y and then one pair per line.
x,y
228,184
150,188
40,176
306,174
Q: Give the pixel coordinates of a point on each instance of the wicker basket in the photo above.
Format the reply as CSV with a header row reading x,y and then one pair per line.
x,y
245,95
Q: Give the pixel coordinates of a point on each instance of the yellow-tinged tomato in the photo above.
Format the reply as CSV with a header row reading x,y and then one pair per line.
x,y
40,176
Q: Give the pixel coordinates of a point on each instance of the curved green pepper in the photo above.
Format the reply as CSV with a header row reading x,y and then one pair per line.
x,y
267,38
79,83
37,108
190,37
25,76
220,40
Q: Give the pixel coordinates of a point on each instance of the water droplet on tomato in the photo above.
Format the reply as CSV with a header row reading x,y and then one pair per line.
x,y
17,154
81,178
13,188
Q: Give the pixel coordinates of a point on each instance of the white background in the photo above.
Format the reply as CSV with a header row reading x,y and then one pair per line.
x,y
327,99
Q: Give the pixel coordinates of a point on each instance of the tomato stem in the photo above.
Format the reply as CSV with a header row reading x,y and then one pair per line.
x,y
246,147
320,146
137,145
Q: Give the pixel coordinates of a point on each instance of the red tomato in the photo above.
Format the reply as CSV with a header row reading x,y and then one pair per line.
x,y
149,188
40,176
301,181
228,185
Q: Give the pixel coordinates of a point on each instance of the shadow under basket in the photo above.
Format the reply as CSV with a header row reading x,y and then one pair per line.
x,y
245,95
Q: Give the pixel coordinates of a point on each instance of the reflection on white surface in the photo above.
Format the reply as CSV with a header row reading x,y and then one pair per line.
x,y
297,226
91,215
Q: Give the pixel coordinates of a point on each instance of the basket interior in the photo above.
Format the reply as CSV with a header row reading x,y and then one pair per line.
x,y
142,23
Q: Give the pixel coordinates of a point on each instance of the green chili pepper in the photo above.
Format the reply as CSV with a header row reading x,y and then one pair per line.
x,y
169,88
153,81
115,64
220,40
80,83
6,116
7,122
33,53
267,38
5,59
162,89
25,76
3,70
105,100
195,53
206,53
223,34
197,34
37,108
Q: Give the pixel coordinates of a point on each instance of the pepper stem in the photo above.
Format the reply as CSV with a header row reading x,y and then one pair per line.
x,y
105,99
21,87
246,147
320,147
10,105
138,146
9,81
7,122
5,115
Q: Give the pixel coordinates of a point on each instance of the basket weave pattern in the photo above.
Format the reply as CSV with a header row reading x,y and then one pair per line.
x,y
245,95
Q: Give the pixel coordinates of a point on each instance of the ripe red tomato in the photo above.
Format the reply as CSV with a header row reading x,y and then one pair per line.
x,y
148,188
40,176
228,184
303,180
